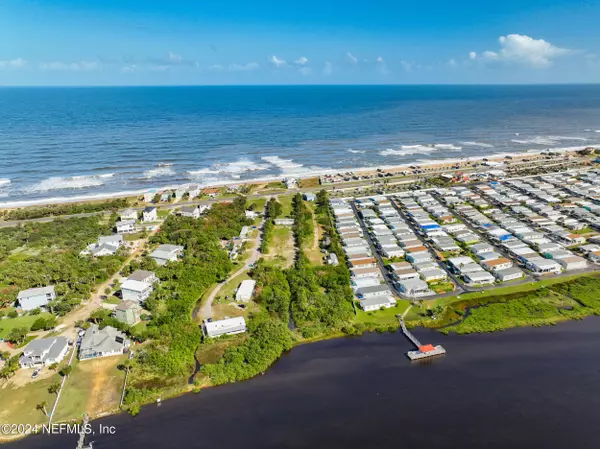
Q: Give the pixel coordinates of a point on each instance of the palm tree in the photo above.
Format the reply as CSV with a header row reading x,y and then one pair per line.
x,y
42,407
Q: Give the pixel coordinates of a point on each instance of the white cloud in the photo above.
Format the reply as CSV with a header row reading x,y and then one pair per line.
x,y
328,68
173,57
353,59
301,61
17,63
521,49
244,67
408,66
305,71
452,63
130,68
277,62
380,60
81,66
381,66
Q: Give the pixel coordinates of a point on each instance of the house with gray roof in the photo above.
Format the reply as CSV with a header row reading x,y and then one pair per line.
x,y
44,352
166,253
34,298
104,342
143,276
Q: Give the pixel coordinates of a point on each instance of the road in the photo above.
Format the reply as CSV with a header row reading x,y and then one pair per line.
x,y
376,255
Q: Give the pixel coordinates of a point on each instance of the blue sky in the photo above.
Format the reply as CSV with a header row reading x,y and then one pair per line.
x,y
109,42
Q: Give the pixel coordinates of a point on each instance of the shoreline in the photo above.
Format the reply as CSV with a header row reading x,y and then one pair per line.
x,y
362,171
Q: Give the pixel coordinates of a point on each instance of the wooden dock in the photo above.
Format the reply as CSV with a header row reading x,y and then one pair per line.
x,y
423,351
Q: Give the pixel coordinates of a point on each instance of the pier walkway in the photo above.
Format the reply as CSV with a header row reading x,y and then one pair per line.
x,y
423,351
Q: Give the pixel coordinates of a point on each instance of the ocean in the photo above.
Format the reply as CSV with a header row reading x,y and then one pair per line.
x,y
58,143
523,388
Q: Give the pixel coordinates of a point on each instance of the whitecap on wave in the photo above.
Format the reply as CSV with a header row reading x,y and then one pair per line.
x,y
159,172
232,169
357,151
407,150
64,183
4,182
477,144
547,140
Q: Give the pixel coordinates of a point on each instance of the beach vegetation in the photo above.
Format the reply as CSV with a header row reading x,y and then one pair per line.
x,y
33,212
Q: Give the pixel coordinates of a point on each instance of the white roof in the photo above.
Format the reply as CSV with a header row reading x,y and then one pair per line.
x,y
136,286
219,327
35,292
246,287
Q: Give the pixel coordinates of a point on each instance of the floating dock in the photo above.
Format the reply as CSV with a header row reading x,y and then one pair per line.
x,y
423,351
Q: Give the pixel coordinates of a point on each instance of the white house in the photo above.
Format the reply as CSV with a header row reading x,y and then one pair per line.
x,y
150,214
125,227
572,263
433,274
245,290
228,326
44,352
284,221
129,214
34,298
192,212
132,290
194,191
376,303
180,192
479,277
508,274
166,253
115,240
373,291
540,265
414,288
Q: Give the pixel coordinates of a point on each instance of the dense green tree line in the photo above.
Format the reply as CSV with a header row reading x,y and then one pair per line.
x,y
273,290
303,224
321,300
29,213
273,210
269,338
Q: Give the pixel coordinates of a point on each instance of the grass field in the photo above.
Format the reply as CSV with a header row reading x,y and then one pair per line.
x,y
281,250
7,324
18,405
387,316
93,387
162,213
309,183
286,204
259,204
311,247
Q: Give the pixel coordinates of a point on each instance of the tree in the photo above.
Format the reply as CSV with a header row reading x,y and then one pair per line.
x,y
42,407
54,388
17,335
5,355
66,371
53,367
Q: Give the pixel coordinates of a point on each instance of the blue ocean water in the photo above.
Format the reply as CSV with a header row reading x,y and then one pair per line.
x,y
79,142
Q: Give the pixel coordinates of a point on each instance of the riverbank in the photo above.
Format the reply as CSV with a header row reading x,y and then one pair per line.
x,y
345,393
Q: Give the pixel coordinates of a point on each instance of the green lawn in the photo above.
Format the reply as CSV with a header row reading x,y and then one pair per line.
x,y
7,324
230,288
259,204
286,204
387,316
162,213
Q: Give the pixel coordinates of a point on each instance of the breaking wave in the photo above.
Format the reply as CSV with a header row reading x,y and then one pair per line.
x,y
160,171
357,151
477,144
547,140
65,183
4,182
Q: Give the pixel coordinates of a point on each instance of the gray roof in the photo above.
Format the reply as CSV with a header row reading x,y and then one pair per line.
x,y
373,289
102,340
509,271
188,209
149,209
99,248
38,291
128,304
110,238
36,348
140,275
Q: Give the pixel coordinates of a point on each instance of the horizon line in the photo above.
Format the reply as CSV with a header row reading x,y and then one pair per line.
x,y
83,86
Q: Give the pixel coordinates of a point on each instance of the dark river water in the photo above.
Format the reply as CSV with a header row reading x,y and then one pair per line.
x,y
525,388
